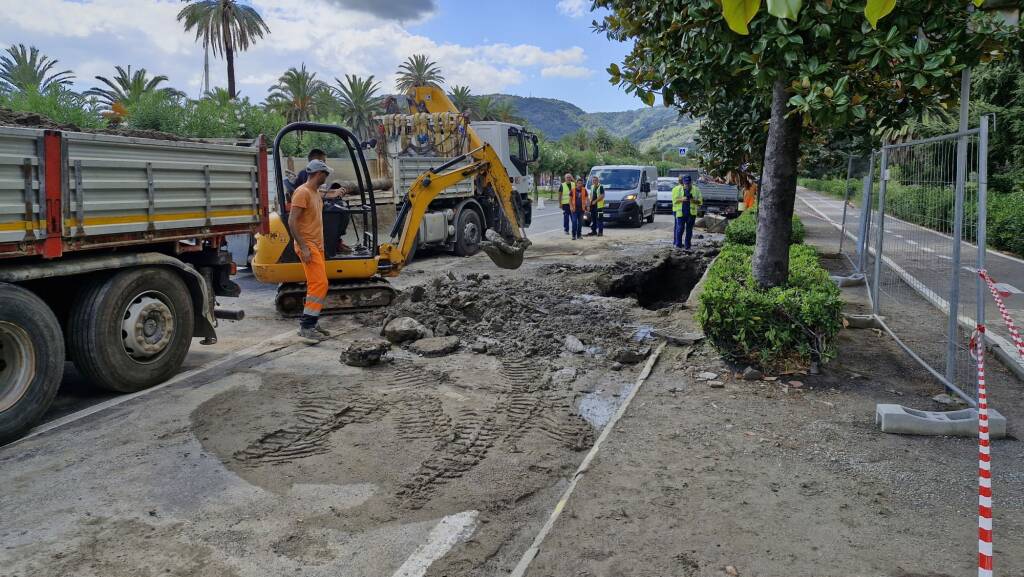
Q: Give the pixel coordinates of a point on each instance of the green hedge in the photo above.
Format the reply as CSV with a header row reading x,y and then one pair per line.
x,y
780,328
929,206
743,230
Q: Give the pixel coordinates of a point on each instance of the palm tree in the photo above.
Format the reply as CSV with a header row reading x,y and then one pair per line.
x,y
127,87
218,95
483,108
505,111
297,94
461,98
223,27
359,103
26,69
417,70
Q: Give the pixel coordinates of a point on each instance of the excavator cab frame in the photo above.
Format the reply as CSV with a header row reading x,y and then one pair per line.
x,y
367,208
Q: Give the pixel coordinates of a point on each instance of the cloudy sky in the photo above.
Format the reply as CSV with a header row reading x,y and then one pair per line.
x,y
531,47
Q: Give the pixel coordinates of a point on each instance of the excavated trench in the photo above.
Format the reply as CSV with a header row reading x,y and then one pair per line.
x,y
666,281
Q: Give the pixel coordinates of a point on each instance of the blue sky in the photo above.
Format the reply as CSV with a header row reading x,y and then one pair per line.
x,y
539,48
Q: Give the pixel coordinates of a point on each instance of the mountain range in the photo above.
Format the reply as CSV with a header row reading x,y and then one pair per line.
x,y
657,126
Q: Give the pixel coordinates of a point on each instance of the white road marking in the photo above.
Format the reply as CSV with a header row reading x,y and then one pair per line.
x,y
448,533
274,343
926,249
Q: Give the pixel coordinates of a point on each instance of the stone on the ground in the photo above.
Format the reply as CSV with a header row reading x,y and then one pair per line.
x,y
714,223
716,384
435,346
574,345
478,347
563,377
628,356
948,400
365,353
751,374
417,293
617,366
707,376
441,329
405,329
795,384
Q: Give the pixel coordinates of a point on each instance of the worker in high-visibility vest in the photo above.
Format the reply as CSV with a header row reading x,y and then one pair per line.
x,y
579,204
686,198
563,199
596,207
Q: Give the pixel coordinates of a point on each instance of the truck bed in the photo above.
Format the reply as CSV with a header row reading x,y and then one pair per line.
x,y
70,191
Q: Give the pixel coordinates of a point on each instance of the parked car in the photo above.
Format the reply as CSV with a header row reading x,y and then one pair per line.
x,y
665,186
628,194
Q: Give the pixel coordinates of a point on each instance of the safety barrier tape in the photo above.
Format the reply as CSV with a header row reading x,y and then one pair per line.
x,y
984,446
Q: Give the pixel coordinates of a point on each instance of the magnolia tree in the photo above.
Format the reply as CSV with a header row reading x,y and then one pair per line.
x,y
832,64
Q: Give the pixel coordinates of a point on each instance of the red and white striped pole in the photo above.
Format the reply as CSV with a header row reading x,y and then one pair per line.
x,y
998,296
984,462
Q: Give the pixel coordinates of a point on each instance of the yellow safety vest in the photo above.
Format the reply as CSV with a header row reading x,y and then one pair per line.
x,y
679,198
564,197
598,195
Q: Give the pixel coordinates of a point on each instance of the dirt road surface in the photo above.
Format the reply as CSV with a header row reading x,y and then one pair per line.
x,y
274,458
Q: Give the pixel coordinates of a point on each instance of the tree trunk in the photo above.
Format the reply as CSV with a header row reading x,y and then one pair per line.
x,y
778,193
229,53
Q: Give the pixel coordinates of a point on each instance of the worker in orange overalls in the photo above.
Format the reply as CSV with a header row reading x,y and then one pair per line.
x,y
305,221
579,204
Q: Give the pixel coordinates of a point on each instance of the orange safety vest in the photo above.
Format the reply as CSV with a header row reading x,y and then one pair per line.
x,y
572,199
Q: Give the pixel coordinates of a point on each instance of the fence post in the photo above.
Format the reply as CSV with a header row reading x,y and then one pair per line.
x,y
846,201
865,216
958,232
882,185
982,239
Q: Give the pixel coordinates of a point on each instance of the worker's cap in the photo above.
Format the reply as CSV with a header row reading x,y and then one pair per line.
x,y
315,166
685,178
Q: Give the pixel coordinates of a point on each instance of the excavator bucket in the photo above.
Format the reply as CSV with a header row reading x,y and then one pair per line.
x,y
505,253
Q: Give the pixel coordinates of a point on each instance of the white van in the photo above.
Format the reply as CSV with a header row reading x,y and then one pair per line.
x,y
629,192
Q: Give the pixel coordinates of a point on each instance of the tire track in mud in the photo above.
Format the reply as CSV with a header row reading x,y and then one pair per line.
x,y
316,417
406,374
422,417
472,436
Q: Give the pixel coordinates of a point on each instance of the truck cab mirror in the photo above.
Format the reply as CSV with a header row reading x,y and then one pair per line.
x,y
645,187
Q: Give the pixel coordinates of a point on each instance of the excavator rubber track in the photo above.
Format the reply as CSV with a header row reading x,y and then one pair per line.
x,y
342,297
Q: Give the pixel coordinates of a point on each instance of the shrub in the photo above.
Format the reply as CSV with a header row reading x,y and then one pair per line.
x,y
743,230
1006,221
58,104
778,329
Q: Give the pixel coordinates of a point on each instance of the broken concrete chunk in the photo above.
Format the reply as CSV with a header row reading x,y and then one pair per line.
x,y
707,376
365,353
574,345
563,377
405,329
617,366
435,346
681,339
751,374
417,293
948,400
478,347
716,384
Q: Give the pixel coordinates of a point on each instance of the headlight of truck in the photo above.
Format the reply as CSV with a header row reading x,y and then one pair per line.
x,y
630,197
740,206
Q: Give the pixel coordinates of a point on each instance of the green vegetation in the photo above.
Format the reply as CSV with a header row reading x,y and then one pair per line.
x,y
27,70
58,104
418,70
223,27
743,230
781,328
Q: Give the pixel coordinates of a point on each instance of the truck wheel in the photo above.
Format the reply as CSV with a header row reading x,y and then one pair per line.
x,y
470,232
650,219
637,219
130,331
31,360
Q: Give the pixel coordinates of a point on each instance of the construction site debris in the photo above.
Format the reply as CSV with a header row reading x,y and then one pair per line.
x,y
403,329
574,345
435,346
681,339
751,374
365,353
628,355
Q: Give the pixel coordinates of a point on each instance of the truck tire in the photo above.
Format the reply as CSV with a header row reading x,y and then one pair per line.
x,y
636,220
469,232
31,360
650,219
131,330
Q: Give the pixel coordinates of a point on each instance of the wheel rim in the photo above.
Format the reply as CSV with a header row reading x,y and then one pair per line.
x,y
147,326
471,232
17,364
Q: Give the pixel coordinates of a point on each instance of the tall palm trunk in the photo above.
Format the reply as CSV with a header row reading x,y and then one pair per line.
x,y
775,207
229,53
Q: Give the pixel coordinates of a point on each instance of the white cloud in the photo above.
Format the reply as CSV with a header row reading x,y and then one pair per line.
x,y
574,8
565,71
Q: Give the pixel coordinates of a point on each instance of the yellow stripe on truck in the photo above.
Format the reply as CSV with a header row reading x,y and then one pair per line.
x,y
132,219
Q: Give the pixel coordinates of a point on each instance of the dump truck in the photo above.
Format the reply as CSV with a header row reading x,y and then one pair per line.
x,y
423,130
718,198
112,253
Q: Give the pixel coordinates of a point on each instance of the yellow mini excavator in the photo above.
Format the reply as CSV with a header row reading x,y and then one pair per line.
x,y
357,278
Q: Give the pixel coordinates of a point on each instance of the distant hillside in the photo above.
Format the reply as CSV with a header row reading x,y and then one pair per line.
x,y
659,126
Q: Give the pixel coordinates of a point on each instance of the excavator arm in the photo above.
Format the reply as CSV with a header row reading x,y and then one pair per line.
x,y
505,244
